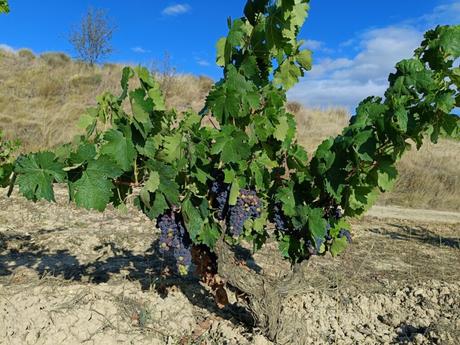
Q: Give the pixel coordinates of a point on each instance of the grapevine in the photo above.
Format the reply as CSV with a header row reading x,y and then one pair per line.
x,y
4,8
214,186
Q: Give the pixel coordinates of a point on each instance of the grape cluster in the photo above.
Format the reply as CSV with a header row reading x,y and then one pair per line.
x,y
248,205
346,233
328,232
219,191
174,241
279,219
336,213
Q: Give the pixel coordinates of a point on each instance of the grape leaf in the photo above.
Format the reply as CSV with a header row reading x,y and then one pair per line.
x,y
94,188
36,174
4,8
119,148
171,148
192,218
281,129
232,145
286,197
387,175
317,226
338,245
209,235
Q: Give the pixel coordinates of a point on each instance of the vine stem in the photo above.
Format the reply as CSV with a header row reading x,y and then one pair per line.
x,y
136,172
212,122
11,185
126,183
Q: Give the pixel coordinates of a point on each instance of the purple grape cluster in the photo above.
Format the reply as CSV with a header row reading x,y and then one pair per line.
x,y
248,205
174,241
328,232
279,219
346,233
219,191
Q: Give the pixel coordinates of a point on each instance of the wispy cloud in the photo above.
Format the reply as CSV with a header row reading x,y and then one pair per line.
x,y
442,15
202,62
345,81
177,9
140,50
317,46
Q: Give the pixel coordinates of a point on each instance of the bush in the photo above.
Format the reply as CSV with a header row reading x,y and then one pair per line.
x,y
26,54
55,59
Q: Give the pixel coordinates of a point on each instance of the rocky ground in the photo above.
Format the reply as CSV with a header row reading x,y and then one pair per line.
x,y
71,276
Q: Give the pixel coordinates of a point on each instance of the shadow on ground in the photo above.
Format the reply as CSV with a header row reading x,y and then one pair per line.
x,y
18,251
419,234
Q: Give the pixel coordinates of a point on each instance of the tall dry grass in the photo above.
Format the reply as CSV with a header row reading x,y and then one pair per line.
x,y
42,97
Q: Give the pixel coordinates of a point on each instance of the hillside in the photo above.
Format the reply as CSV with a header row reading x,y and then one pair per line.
x,y
42,97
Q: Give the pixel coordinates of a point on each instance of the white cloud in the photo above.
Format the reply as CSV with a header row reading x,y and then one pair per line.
x,y
317,46
442,15
140,50
202,62
177,9
313,44
345,81
7,48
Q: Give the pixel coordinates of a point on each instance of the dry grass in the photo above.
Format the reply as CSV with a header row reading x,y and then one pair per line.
x,y
315,125
42,97
429,178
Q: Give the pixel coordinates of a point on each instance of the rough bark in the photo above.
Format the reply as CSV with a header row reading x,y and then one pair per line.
x,y
265,294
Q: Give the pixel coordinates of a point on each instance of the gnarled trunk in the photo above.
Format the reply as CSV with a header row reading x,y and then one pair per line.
x,y
265,295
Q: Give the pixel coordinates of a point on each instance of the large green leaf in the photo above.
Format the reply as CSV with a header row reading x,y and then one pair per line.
x,y
172,148
317,226
119,148
192,218
387,175
232,144
95,187
36,174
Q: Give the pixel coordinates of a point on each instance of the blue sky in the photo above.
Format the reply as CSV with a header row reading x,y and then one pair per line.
x,y
355,43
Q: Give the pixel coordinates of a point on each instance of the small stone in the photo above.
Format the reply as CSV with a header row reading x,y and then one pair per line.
x,y
261,340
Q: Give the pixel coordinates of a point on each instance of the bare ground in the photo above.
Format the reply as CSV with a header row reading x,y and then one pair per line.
x,y
70,276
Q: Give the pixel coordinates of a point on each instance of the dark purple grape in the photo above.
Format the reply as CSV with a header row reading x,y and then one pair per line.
x,y
248,206
219,192
328,230
279,219
174,241
346,233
